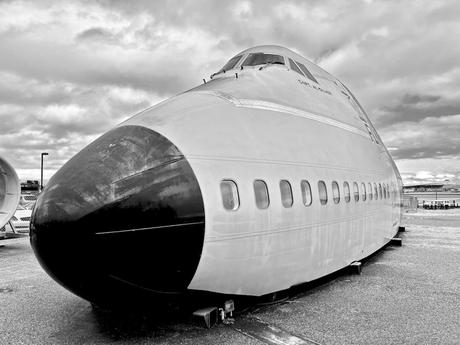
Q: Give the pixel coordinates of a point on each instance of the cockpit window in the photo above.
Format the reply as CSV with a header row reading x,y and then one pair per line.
x,y
231,63
262,59
294,66
307,72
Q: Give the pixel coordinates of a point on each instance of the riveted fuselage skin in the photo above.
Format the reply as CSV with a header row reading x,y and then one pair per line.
x,y
267,123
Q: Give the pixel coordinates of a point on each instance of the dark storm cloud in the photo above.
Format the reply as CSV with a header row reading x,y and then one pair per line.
x,y
402,113
417,99
415,107
410,103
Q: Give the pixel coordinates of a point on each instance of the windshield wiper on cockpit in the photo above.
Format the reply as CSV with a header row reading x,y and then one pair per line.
x,y
214,74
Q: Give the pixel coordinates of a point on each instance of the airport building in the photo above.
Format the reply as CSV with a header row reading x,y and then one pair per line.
x,y
432,196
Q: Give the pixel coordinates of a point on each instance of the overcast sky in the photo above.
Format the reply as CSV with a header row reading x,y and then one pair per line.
x,y
71,71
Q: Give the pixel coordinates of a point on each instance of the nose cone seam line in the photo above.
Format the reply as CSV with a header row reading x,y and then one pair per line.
x,y
149,228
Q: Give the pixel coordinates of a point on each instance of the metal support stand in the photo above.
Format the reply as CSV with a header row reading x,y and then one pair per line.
x,y
208,316
13,228
355,267
212,315
396,241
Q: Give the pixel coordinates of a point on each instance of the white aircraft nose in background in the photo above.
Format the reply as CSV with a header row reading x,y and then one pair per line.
x,y
10,192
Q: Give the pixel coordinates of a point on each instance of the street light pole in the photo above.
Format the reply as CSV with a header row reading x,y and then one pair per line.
x,y
41,170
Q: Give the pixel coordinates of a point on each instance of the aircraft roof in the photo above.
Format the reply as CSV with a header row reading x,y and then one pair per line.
x,y
279,50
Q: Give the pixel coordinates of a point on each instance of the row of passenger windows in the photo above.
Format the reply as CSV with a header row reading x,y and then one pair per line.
x,y
231,199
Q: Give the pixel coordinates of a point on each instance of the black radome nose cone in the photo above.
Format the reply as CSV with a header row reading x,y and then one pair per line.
x,y
125,214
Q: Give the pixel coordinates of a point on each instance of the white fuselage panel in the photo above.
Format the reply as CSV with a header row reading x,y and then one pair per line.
x,y
267,124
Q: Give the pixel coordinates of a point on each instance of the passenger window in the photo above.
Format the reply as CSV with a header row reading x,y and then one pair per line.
x,y
346,191
294,67
286,193
322,190
384,191
363,190
230,197
376,196
388,191
369,191
306,192
307,72
380,191
261,194
356,191
262,59
335,192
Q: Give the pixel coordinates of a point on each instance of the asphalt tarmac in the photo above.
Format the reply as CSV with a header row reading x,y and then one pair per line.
x,y
405,295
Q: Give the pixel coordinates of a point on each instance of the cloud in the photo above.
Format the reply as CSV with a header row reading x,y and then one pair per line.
x,y
70,71
413,99
429,138
438,175
97,35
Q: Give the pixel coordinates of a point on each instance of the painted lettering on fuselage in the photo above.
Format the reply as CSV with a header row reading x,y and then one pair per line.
x,y
305,83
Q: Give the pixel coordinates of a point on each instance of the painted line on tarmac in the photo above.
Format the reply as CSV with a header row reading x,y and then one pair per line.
x,y
269,334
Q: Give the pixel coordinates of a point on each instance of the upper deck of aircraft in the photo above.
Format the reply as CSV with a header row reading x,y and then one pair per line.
x,y
272,54
291,84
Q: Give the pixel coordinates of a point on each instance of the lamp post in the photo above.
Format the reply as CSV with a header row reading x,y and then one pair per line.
x,y
41,170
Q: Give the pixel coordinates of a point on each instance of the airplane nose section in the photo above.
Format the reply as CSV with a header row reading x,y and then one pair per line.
x,y
125,212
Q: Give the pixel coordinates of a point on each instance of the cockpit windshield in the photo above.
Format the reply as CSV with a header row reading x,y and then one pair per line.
x,y
231,63
262,59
